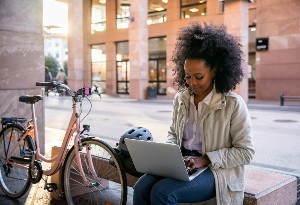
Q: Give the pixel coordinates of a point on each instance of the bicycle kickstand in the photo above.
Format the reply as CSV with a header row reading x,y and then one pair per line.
x,y
52,187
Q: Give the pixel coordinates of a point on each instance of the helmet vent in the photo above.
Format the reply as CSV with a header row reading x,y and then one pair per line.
x,y
131,131
137,133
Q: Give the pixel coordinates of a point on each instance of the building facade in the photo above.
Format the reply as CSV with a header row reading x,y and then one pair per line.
x,y
56,45
278,66
126,45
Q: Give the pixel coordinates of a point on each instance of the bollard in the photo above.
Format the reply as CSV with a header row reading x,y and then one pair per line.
x,y
281,99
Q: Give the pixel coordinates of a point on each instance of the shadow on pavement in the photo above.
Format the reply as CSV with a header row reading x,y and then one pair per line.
x,y
36,195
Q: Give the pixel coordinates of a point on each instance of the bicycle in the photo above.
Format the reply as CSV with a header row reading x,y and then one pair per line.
x,y
92,173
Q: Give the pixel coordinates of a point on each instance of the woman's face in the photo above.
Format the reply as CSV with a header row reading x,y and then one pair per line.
x,y
198,76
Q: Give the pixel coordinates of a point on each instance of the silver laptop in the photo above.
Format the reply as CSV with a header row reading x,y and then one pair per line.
x,y
162,159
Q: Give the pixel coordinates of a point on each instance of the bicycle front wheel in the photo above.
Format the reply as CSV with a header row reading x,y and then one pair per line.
x,y
14,181
106,177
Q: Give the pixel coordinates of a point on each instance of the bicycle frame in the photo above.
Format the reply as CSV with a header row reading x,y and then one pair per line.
x,y
73,127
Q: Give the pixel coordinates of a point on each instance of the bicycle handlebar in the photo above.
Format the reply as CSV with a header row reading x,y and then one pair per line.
x,y
43,83
59,86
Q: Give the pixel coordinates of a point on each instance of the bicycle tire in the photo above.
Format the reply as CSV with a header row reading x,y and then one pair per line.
x,y
14,181
110,186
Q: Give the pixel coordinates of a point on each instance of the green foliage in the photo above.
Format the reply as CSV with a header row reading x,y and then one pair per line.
x,y
52,64
66,67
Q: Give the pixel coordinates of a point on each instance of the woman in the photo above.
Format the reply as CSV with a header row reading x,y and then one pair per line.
x,y
210,123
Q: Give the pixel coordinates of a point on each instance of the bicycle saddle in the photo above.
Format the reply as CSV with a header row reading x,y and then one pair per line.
x,y
30,99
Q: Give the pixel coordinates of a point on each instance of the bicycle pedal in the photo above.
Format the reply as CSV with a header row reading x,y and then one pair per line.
x,y
51,187
54,186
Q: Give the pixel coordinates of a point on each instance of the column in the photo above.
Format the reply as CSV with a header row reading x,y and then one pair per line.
x,y
111,86
236,15
173,15
22,59
138,49
75,44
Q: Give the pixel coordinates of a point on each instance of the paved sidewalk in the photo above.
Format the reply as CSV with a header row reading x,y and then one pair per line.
x,y
274,127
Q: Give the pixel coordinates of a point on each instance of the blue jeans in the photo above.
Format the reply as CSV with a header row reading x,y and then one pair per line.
x,y
155,190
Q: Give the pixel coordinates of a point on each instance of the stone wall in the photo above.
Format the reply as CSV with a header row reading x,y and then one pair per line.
x,y
21,57
277,69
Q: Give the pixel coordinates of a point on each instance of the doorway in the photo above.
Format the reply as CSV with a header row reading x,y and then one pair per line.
x,y
158,75
123,73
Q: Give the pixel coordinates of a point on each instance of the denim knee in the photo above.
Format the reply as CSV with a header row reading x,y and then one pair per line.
x,y
160,194
142,188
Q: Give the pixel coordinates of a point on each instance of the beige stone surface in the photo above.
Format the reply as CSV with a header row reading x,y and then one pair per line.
x,y
280,23
269,188
21,57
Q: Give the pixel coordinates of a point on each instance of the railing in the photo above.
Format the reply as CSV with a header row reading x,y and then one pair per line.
x,y
283,97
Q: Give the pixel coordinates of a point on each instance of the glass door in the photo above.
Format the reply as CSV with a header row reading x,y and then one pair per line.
x,y
98,53
123,73
158,75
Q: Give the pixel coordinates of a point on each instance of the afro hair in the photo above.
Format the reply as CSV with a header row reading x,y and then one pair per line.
x,y
221,51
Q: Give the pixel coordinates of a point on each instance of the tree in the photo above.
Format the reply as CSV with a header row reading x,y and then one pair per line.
x,y
52,64
66,67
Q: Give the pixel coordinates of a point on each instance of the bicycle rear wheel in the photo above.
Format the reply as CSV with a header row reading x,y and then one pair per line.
x,y
109,187
14,181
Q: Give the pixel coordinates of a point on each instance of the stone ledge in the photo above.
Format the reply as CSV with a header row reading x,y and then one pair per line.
x,y
269,188
262,187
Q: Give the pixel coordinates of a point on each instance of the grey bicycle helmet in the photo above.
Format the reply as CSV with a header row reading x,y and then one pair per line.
x,y
138,133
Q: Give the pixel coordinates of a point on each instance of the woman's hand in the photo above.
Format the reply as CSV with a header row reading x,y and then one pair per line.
x,y
196,161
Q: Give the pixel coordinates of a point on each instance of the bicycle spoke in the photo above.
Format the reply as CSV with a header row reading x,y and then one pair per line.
x,y
108,187
14,180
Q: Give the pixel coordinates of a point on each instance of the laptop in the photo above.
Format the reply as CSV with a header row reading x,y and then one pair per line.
x,y
161,159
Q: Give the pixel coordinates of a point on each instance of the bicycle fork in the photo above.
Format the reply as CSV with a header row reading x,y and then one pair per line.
x,y
78,147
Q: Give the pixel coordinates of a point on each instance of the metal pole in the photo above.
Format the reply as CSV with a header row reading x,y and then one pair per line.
x,y
281,99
